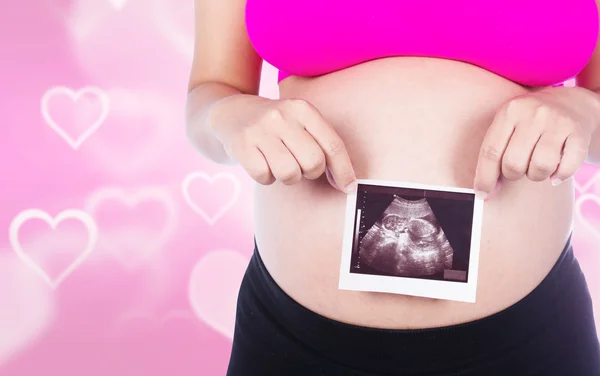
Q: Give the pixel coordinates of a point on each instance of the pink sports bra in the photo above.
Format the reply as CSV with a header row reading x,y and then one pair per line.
x,y
531,42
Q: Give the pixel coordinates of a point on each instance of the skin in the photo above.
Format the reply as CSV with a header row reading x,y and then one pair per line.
x,y
305,150
545,134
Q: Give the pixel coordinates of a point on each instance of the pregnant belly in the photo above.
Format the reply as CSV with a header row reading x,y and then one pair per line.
x,y
421,121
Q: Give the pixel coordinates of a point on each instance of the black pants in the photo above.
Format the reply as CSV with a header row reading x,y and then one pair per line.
x,y
551,332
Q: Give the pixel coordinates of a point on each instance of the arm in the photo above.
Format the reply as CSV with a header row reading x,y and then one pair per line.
x,y
546,134
273,140
589,79
224,66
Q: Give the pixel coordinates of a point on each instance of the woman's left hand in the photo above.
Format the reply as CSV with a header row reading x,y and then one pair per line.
x,y
540,135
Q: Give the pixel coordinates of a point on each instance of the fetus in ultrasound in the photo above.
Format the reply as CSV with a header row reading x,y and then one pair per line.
x,y
407,241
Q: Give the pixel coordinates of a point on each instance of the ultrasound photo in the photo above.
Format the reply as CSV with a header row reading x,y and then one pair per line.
x,y
412,239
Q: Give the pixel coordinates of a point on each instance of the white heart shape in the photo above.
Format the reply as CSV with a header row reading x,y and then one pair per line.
x,y
591,181
214,286
74,96
30,214
211,180
578,211
149,245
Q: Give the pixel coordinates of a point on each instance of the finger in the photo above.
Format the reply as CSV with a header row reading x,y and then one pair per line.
x,y
519,150
496,190
255,164
490,155
331,180
336,156
574,155
545,157
305,150
282,163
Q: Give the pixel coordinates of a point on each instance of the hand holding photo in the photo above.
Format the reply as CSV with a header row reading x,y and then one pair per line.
x,y
412,239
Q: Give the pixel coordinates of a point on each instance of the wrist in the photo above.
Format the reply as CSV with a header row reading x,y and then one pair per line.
x,y
588,97
227,116
201,102
225,110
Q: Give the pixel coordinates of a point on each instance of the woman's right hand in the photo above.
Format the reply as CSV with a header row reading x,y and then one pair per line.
x,y
281,140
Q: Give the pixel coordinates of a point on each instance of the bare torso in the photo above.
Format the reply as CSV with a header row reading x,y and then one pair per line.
x,y
417,120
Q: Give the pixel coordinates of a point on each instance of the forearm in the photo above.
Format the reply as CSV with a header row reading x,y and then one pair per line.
x,y
201,101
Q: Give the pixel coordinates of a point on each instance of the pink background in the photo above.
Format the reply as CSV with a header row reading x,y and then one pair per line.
x,y
121,249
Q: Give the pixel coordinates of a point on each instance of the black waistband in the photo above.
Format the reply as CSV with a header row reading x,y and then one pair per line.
x,y
450,347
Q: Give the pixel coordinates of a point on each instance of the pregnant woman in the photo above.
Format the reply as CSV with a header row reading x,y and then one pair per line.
x,y
453,93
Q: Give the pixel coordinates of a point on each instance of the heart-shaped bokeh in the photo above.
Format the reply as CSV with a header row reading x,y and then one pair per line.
x,y
27,307
210,196
75,114
214,287
134,225
75,255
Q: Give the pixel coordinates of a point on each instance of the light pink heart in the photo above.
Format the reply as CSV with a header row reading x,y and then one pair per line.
x,y
74,115
214,287
587,208
586,177
26,309
134,225
80,255
210,196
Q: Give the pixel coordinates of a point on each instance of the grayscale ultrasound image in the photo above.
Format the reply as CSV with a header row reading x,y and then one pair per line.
x,y
412,233
407,241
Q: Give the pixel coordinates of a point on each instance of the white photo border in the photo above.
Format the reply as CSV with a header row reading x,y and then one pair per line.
x,y
447,290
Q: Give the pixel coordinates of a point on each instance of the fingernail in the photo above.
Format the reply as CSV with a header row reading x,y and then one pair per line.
x,y
556,181
480,195
351,188
330,179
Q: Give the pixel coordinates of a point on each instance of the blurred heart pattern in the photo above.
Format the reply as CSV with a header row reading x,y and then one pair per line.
x,y
122,249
